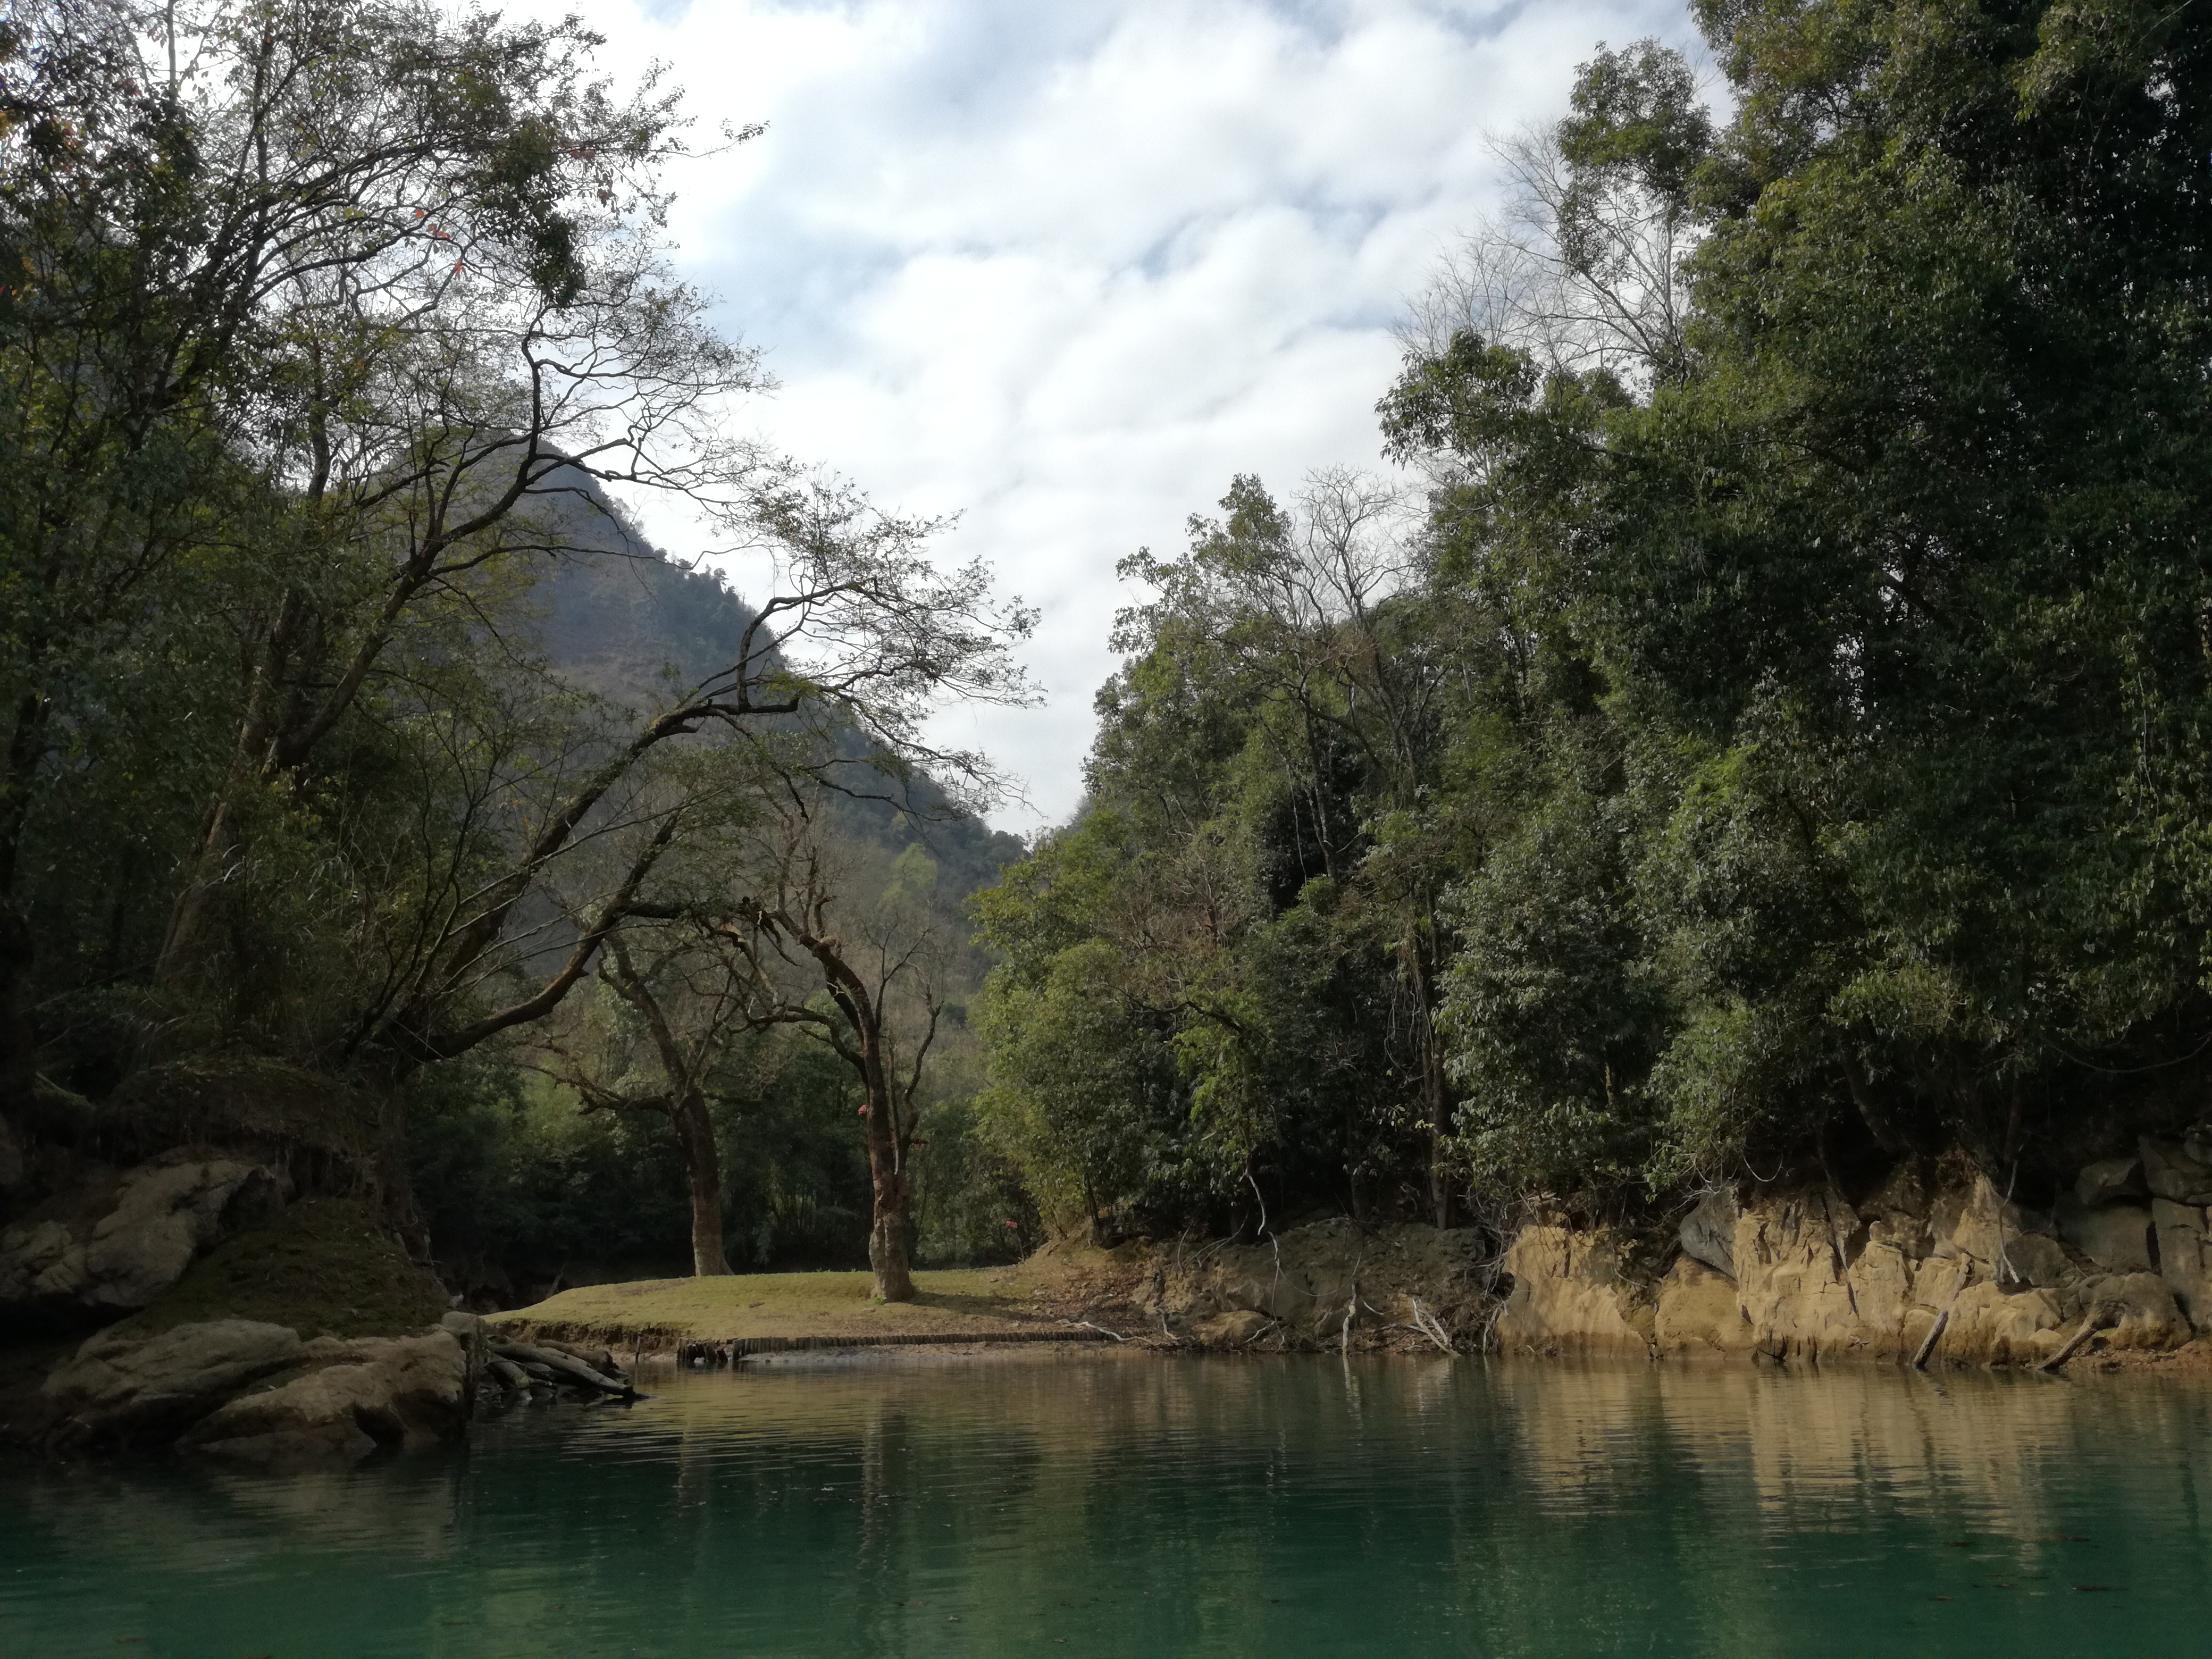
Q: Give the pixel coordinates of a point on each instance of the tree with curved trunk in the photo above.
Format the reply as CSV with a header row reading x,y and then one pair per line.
x,y
687,1005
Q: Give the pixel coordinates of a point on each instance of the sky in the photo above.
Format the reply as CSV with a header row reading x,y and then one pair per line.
x,y
1065,267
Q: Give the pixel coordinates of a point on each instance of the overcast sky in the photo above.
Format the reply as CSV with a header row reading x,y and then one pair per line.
x,y
1066,266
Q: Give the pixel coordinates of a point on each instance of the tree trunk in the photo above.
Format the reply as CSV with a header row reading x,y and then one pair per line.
x,y
19,1037
704,1166
887,1230
1436,1099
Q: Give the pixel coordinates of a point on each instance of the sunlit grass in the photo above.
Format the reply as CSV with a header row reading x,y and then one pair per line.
x,y
788,1305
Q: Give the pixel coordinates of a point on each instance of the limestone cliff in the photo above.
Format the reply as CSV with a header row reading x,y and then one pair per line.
x,y
1951,1271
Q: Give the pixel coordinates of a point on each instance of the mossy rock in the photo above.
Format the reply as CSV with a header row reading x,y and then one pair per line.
x,y
324,1266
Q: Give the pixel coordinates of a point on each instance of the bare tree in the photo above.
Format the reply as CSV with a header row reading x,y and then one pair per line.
x,y
1584,268
1579,284
866,638
878,971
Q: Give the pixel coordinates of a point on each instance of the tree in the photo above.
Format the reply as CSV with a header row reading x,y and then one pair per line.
x,y
686,1004
864,971
314,298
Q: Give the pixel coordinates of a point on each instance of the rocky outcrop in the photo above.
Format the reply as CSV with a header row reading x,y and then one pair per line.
x,y
123,1389
247,1391
1708,1232
135,1237
371,1392
1959,1273
1570,1292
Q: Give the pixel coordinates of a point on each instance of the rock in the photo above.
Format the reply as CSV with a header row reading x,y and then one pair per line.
x,y
1898,1212
165,1214
2181,1255
1698,1311
2008,1241
1568,1292
1880,1283
2143,1305
1939,1279
1990,1327
1792,1254
1817,1279
1233,1329
124,1389
11,1158
2109,1182
2034,1259
2115,1237
369,1393
1708,1232
2172,1175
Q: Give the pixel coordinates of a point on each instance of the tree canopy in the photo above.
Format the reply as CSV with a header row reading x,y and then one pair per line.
x,y
1777,736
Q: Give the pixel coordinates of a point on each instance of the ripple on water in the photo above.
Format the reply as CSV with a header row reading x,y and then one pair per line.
x,y
1129,1504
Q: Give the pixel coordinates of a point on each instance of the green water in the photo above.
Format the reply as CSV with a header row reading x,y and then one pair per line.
x,y
1129,1505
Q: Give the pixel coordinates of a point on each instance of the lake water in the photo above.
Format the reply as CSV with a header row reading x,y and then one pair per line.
x,y
1131,1504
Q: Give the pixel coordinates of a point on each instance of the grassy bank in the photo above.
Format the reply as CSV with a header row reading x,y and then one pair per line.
x,y
981,1302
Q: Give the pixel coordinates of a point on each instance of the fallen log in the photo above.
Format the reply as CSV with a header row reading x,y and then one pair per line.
x,y
510,1374
1934,1336
2092,1321
600,1360
565,1366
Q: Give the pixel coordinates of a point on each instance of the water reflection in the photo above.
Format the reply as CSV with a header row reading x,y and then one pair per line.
x,y
1131,1504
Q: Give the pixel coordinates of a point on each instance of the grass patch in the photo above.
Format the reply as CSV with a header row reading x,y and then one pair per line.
x,y
324,1266
982,1301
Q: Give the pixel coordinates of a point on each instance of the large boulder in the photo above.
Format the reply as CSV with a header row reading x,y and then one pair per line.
x,y
1989,1327
2173,1173
2117,1237
2110,1180
2010,1245
1570,1292
1708,1232
161,1217
2139,1307
2183,1260
1793,1257
1698,1311
368,1393
123,1388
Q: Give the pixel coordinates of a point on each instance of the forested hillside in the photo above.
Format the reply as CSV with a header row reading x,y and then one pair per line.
x,y
1769,736
521,1189
1760,725
375,808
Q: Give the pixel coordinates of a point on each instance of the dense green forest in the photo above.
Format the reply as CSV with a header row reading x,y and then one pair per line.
x,y
1772,735
371,794
1758,725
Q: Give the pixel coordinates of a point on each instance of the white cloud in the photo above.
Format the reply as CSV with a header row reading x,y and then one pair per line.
x,y
1064,268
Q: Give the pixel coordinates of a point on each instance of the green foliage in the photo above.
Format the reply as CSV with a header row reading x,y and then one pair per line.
x,y
1821,770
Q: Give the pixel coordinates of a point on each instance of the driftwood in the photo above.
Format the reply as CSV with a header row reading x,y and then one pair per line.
x,y
2095,1320
599,1359
565,1366
1934,1336
510,1374
1431,1327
